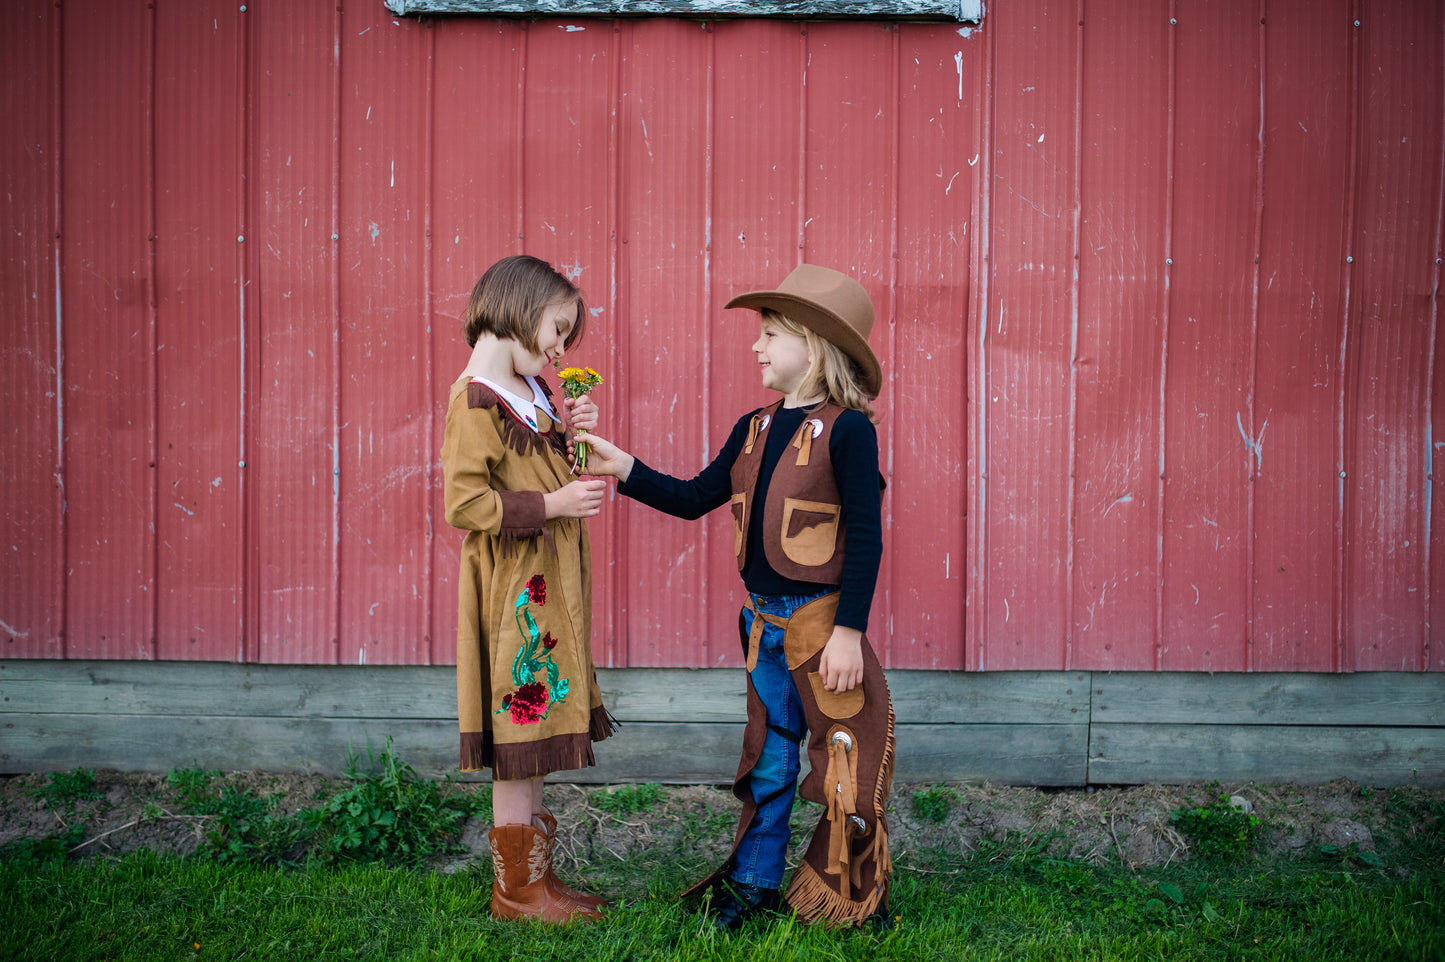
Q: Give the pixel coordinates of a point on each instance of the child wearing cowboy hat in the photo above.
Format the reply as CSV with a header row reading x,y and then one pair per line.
x,y
801,477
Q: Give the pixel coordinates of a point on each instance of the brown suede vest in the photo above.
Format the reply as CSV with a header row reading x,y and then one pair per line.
x,y
802,519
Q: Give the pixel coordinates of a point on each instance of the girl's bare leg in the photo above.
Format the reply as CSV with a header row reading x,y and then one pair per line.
x,y
514,802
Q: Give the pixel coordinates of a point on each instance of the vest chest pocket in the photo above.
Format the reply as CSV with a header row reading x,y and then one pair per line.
x,y
810,531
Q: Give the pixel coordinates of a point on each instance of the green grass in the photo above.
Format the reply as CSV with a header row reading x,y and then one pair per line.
x,y
629,799
934,804
1004,904
354,878
66,788
1218,830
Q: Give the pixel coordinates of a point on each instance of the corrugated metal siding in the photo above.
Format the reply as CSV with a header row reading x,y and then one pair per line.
x,y
1180,440
1392,288
1157,301
292,154
1299,305
32,589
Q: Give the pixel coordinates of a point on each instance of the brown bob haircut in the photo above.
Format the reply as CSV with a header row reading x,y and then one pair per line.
x,y
509,300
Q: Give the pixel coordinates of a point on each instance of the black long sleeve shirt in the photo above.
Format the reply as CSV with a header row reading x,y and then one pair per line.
x,y
853,449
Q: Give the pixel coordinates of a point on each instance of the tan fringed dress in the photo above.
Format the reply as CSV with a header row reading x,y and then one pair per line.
x,y
527,697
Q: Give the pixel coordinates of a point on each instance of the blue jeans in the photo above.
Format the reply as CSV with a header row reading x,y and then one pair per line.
x,y
761,856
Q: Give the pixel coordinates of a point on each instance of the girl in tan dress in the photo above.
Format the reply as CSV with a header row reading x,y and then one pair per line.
x,y
527,695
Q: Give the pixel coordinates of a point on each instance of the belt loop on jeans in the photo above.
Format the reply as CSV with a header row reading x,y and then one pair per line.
x,y
755,635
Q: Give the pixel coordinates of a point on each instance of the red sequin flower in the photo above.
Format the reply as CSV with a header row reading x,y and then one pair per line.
x,y
528,703
548,641
537,588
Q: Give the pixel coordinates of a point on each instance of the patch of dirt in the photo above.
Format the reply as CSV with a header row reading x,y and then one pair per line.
x,y
138,810
1127,825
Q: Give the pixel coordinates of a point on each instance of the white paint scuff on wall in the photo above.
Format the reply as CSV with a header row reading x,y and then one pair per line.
x,y
1254,446
1122,499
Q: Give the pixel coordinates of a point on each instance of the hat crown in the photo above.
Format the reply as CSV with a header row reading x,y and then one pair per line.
x,y
830,304
833,291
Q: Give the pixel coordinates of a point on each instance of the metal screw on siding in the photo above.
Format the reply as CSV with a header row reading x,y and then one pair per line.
x,y
1342,474
336,237
240,464
1349,260
1169,261
241,239
1357,23
1172,21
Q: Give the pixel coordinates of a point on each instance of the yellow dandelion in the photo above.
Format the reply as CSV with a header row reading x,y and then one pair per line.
x,y
576,382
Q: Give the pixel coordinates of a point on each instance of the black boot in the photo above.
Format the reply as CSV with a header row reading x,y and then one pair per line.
x,y
734,903
880,921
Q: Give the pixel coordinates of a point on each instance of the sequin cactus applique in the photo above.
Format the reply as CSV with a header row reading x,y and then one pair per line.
x,y
539,681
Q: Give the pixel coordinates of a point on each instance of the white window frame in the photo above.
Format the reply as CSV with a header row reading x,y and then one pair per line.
x,y
960,11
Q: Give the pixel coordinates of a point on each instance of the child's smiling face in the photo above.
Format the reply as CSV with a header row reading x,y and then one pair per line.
x,y
784,358
552,330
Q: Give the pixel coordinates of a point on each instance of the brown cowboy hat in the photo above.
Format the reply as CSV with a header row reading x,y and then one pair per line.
x,y
831,305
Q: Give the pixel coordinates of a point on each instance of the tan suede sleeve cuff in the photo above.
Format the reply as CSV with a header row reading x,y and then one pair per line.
x,y
524,513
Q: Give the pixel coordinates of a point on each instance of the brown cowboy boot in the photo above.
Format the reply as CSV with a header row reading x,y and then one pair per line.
x,y
549,830
521,858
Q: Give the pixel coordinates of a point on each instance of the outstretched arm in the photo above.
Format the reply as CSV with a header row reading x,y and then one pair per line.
x,y
682,499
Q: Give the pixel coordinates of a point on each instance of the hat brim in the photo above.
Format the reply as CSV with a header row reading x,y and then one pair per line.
x,y
825,324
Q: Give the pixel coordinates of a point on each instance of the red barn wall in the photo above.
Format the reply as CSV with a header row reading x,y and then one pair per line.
x,y
1156,285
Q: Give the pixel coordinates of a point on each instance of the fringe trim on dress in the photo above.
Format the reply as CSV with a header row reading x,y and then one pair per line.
x,y
560,753
602,724
509,538
476,751
530,759
515,434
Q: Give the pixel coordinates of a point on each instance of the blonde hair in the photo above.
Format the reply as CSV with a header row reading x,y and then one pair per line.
x,y
832,372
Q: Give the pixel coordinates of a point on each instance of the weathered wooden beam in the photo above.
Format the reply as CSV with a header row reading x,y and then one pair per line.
x,y
223,688
1271,698
1008,754
968,11
352,691
1311,754
705,752
682,725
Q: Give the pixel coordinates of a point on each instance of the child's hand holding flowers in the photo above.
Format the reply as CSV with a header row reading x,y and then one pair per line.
x,y
576,383
581,414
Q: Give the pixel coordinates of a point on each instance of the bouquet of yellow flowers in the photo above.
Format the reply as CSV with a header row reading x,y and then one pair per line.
x,y
577,381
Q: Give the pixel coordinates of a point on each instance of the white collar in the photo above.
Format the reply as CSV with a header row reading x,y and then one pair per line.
x,y
525,408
